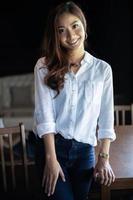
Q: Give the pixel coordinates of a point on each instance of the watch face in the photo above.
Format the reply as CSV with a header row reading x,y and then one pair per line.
x,y
103,155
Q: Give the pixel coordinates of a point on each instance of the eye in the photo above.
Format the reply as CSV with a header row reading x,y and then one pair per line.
x,y
61,30
75,26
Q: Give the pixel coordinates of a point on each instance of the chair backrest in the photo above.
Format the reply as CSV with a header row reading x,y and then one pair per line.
x,y
9,136
123,114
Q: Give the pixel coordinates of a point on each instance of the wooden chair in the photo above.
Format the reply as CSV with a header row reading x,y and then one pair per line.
x,y
8,161
123,114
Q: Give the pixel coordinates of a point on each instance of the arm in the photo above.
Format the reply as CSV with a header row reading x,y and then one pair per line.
x,y
49,144
44,117
52,168
106,132
103,171
104,147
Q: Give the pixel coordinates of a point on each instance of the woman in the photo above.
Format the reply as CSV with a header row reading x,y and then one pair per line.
x,y
73,96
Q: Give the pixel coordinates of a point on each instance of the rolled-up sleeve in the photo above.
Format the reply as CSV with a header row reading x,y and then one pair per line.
x,y
106,117
44,118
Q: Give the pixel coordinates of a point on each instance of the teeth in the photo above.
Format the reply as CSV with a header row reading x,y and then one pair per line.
x,y
71,43
74,42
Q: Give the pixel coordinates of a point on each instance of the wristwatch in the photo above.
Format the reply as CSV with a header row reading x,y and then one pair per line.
x,y
104,155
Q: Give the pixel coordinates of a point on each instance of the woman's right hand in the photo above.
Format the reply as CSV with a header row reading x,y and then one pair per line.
x,y
52,170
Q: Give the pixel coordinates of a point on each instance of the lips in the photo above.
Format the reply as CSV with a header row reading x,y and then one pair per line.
x,y
74,42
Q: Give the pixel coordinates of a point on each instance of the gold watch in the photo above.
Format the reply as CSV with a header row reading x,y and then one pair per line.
x,y
104,155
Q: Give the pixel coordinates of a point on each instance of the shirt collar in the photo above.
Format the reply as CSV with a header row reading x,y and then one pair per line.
x,y
87,58
86,63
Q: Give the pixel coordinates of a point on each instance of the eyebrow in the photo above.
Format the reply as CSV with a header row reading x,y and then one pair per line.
x,y
70,24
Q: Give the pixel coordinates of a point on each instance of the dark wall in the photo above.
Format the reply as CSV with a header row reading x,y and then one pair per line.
x,y
22,26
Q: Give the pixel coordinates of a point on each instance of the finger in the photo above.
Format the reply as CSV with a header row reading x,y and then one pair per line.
x,y
62,175
102,176
95,172
106,177
50,185
113,175
47,184
54,185
112,178
43,178
97,176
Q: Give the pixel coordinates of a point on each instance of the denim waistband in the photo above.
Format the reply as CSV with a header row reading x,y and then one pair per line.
x,y
58,136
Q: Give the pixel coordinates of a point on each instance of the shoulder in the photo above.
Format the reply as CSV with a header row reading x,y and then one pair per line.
x,y
97,63
40,65
101,63
101,66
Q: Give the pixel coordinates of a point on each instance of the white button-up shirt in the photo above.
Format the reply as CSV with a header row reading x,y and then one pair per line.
x,y
85,102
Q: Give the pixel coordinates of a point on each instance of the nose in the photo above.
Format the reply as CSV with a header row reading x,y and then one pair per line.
x,y
71,34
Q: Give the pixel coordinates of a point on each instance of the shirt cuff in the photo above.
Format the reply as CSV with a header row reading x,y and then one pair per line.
x,y
106,133
45,128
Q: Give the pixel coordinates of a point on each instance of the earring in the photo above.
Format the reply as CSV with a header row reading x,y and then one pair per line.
x,y
86,36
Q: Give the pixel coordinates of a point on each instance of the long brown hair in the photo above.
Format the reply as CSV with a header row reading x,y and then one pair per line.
x,y
56,59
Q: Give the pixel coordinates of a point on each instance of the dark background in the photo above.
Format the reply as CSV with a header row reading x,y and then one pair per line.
x,y
22,26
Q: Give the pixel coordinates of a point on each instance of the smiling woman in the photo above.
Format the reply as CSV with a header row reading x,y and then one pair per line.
x,y
73,96
71,31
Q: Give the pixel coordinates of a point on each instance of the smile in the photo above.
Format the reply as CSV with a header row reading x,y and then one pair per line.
x,y
74,42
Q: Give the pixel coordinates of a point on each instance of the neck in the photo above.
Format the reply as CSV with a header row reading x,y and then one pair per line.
x,y
76,56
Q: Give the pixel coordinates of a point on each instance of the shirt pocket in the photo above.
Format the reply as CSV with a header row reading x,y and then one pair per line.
x,y
93,92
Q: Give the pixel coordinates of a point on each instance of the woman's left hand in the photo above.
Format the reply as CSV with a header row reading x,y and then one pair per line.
x,y
103,172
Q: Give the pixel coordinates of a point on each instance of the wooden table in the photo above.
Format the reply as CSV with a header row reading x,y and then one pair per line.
x,y
121,159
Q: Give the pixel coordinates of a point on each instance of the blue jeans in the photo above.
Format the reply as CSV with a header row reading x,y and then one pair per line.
x,y
77,161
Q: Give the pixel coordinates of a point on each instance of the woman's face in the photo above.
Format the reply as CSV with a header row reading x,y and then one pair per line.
x,y
71,32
